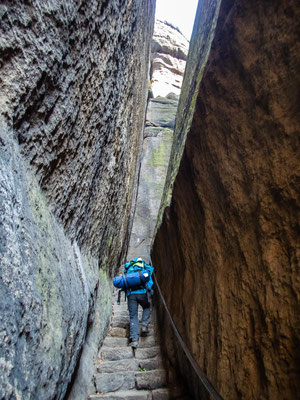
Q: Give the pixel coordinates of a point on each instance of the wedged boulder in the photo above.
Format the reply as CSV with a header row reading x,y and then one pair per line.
x,y
161,112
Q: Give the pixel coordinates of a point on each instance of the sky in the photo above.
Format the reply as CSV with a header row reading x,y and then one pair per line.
x,y
179,12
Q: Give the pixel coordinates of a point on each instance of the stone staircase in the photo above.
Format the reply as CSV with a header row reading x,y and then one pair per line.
x,y
124,373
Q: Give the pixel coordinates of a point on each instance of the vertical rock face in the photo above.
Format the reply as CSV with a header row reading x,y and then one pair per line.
x,y
226,252
73,95
168,54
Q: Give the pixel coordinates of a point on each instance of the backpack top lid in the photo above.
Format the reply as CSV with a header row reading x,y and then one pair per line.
x,y
137,262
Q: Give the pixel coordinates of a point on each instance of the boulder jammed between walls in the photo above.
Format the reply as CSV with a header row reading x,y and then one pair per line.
x,y
72,108
227,252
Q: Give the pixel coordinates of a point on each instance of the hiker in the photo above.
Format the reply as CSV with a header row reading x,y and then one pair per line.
x,y
138,295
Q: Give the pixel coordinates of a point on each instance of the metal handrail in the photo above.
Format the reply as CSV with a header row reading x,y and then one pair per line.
x,y
203,378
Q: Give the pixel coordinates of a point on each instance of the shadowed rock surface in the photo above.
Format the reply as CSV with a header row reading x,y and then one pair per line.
x,y
73,97
227,252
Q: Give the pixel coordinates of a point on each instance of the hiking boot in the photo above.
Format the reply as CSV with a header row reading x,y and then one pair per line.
x,y
134,344
145,330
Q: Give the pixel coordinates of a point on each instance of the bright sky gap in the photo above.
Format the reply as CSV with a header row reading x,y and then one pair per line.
x,y
180,13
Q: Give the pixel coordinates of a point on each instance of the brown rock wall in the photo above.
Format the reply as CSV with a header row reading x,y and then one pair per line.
x,y
227,253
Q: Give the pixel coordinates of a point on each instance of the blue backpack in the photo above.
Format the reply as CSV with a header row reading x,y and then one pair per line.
x,y
137,275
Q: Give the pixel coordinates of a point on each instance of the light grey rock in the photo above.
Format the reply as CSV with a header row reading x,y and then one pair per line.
x,y
46,298
119,365
161,112
118,332
121,321
169,50
169,53
124,395
151,379
151,363
115,342
156,151
112,382
115,353
147,352
147,341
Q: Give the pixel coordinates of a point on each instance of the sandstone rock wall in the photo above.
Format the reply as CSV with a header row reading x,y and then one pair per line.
x,y
168,54
73,96
226,253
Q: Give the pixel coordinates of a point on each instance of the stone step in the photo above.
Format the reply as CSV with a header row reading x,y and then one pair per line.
x,y
154,379
118,332
167,393
123,395
122,306
120,322
126,380
144,353
115,341
131,364
151,363
116,353
147,341
125,314
144,341
111,382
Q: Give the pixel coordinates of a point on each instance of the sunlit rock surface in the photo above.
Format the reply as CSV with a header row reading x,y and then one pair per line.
x,y
72,108
166,79
169,52
226,252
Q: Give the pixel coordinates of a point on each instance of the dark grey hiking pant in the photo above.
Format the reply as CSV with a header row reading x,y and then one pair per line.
x,y
134,300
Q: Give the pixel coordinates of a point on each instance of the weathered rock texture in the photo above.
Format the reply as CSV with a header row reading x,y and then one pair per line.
x,y
227,253
169,50
73,96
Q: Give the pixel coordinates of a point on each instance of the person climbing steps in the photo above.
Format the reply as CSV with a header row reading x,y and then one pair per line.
x,y
134,300
124,372
137,283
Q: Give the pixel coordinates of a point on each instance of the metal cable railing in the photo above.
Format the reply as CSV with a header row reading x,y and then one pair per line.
x,y
203,378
